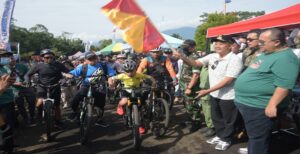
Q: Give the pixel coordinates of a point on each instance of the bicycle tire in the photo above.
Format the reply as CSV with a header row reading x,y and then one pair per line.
x,y
169,99
48,119
161,117
135,127
85,122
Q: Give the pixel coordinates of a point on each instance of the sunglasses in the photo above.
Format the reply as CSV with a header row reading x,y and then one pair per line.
x,y
251,39
48,57
214,66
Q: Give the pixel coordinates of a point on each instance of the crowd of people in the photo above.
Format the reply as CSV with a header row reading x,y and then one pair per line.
x,y
242,86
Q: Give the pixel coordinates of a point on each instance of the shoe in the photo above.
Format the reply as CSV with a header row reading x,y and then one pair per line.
x,y
72,116
102,123
214,140
222,145
120,111
142,130
195,126
203,130
209,133
243,150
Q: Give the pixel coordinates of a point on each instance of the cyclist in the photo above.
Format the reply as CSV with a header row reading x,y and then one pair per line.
x,y
89,72
130,79
156,65
49,72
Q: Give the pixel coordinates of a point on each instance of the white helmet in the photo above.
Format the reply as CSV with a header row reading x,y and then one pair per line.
x,y
129,65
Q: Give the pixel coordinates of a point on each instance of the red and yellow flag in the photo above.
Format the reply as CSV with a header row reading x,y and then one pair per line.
x,y
138,30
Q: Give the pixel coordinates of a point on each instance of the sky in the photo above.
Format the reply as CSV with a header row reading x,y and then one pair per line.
x,y
84,19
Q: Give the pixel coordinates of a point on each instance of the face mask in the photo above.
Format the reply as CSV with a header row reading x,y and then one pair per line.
x,y
243,46
4,61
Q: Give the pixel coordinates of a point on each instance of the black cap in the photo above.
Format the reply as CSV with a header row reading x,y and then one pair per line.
x,y
223,38
89,55
188,43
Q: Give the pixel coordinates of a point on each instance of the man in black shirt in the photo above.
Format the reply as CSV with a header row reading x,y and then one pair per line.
x,y
50,72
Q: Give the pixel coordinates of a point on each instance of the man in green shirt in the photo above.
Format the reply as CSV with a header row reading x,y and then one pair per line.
x,y
6,103
263,86
22,93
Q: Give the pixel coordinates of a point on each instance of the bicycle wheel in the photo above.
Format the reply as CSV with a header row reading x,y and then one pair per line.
x,y
169,99
135,127
85,122
48,118
161,117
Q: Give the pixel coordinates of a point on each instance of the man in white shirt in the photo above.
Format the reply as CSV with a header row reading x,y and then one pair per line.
x,y
223,68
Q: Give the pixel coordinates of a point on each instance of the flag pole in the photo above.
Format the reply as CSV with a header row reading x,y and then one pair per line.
x,y
225,7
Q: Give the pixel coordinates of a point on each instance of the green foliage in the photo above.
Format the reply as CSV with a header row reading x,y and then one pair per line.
x,y
214,19
38,38
176,35
104,43
217,19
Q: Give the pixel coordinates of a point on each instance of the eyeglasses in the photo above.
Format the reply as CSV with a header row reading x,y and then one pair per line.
x,y
48,57
214,66
262,42
251,39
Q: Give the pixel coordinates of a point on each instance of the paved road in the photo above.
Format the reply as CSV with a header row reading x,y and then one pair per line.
x,y
117,139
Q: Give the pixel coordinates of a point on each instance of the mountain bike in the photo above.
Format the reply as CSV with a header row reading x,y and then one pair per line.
x,y
156,113
48,110
86,116
132,117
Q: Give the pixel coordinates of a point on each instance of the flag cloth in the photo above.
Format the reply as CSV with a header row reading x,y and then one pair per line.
x,y
227,1
5,23
139,32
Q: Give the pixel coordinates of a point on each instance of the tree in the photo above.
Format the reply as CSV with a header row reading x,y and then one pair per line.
x,y
176,35
104,43
214,19
38,38
217,19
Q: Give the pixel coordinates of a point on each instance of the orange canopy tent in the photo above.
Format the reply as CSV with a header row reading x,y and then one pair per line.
x,y
286,18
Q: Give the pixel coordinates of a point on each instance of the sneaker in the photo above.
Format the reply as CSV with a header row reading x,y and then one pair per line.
x,y
209,133
102,123
243,150
214,140
142,130
195,126
120,111
222,145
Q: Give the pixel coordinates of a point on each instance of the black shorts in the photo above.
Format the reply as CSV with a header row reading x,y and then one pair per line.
x,y
55,93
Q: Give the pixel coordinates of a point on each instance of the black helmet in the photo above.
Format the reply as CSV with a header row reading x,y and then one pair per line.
x,y
46,51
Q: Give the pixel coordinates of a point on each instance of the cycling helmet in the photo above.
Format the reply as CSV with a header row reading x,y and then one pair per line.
x,y
129,65
46,51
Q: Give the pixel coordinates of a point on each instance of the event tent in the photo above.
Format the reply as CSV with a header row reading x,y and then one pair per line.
x,y
286,18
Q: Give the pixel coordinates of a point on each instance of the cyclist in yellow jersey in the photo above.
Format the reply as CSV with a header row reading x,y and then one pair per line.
x,y
130,79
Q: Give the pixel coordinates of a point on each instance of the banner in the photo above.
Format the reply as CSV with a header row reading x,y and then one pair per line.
x,y
5,23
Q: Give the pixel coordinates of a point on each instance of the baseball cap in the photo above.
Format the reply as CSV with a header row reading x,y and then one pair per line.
x,y
89,55
223,38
